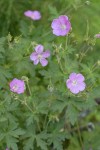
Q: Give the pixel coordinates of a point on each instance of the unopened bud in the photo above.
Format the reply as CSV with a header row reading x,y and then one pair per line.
x,y
9,37
24,78
98,62
50,88
62,130
87,2
77,55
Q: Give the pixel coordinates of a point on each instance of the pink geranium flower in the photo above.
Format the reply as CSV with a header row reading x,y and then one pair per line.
x,y
76,83
39,55
97,35
34,15
61,26
17,86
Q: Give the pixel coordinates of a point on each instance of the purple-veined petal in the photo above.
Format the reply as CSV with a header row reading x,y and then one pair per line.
x,y
63,19
82,86
57,32
28,13
36,61
33,56
20,89
80,77
72,76
63,32
36,15
43,62
56,24
74,90
39,48
46,54
68,83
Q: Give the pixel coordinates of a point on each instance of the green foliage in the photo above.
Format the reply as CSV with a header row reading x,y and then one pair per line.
x,y
48,116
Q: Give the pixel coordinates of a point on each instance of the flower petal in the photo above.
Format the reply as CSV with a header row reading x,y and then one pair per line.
x,y
69,83
43,62
80,77
46,54
72,76
28,13
63,32
20,89
74,90
33,56
56,24
36,15
63,19
82,86
36,61
57,32
39,48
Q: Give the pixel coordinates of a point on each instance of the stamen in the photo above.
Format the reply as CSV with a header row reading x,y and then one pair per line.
x,y
15,87
39,56
74,82
63,27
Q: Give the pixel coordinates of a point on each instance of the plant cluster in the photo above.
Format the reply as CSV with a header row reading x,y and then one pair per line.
x,y
49,84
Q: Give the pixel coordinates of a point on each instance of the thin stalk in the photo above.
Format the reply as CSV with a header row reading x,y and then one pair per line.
x,y
60,65
29,88
25,103
79,134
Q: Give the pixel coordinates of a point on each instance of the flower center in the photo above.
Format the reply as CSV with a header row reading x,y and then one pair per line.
x,y
63,27
74,82
39,56
15,87
33,16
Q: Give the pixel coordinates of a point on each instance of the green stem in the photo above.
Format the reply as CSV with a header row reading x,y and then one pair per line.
x,y
79,134
29,88
66,43
60,65
83,54
25,103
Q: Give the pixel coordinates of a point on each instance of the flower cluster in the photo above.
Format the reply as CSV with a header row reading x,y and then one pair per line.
x,y
61,27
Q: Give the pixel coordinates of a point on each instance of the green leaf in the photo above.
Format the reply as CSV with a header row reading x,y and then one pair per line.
x,y
41,143
29,144
12,142
71,114
56,138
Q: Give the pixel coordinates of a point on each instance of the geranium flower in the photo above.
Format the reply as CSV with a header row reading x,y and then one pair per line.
x,y
17,86
76,83
61,26
97,35
39,55
34,15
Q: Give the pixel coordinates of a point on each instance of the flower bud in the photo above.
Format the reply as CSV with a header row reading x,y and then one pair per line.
x,y
87,3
